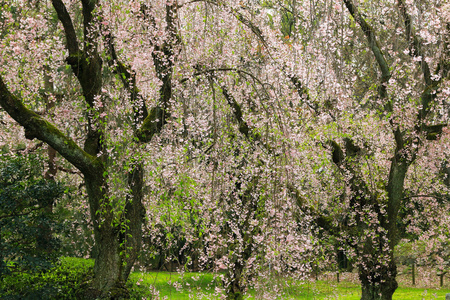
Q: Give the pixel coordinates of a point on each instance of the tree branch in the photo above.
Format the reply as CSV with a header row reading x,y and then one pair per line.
x,y
374,46
236,109
88,8
163,59
416,51
239,16
128,79
37,127
303,93
64,17
415,45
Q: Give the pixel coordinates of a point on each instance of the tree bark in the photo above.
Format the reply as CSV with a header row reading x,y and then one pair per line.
x,y
377,269
134,213
382,285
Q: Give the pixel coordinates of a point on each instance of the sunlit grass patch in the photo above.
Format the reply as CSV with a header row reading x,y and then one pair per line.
x,y
175,285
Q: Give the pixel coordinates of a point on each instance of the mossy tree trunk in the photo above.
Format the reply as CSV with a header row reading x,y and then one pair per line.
x,y
117,243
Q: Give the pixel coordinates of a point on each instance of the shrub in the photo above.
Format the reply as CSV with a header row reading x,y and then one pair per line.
x,y
64,281
27,224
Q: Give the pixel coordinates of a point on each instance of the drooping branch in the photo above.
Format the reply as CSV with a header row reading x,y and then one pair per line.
x,y
224,69
244,128
255,29
303,93
300,88
239,16
374,46
37,127
237,112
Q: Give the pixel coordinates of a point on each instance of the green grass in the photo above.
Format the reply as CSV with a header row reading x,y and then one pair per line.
x,y
202,286
173,285
65,280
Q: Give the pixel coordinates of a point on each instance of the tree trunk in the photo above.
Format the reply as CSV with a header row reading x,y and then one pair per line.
x,y
134,217
378,281
108,281
380,285
234,292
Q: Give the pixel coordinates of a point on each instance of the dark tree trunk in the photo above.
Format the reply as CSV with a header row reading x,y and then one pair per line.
x,y
109,280
235,282
235,290
377,269
131,235
378,282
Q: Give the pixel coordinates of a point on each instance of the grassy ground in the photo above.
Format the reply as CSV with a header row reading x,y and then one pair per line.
x,y
66,279
165,285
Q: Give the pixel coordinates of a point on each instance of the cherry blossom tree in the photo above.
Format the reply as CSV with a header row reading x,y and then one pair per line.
x,y
378,107
104,73
254,121
89,47
384,107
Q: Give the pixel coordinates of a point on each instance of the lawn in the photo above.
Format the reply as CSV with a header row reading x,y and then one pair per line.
x,y
207,286
66,280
